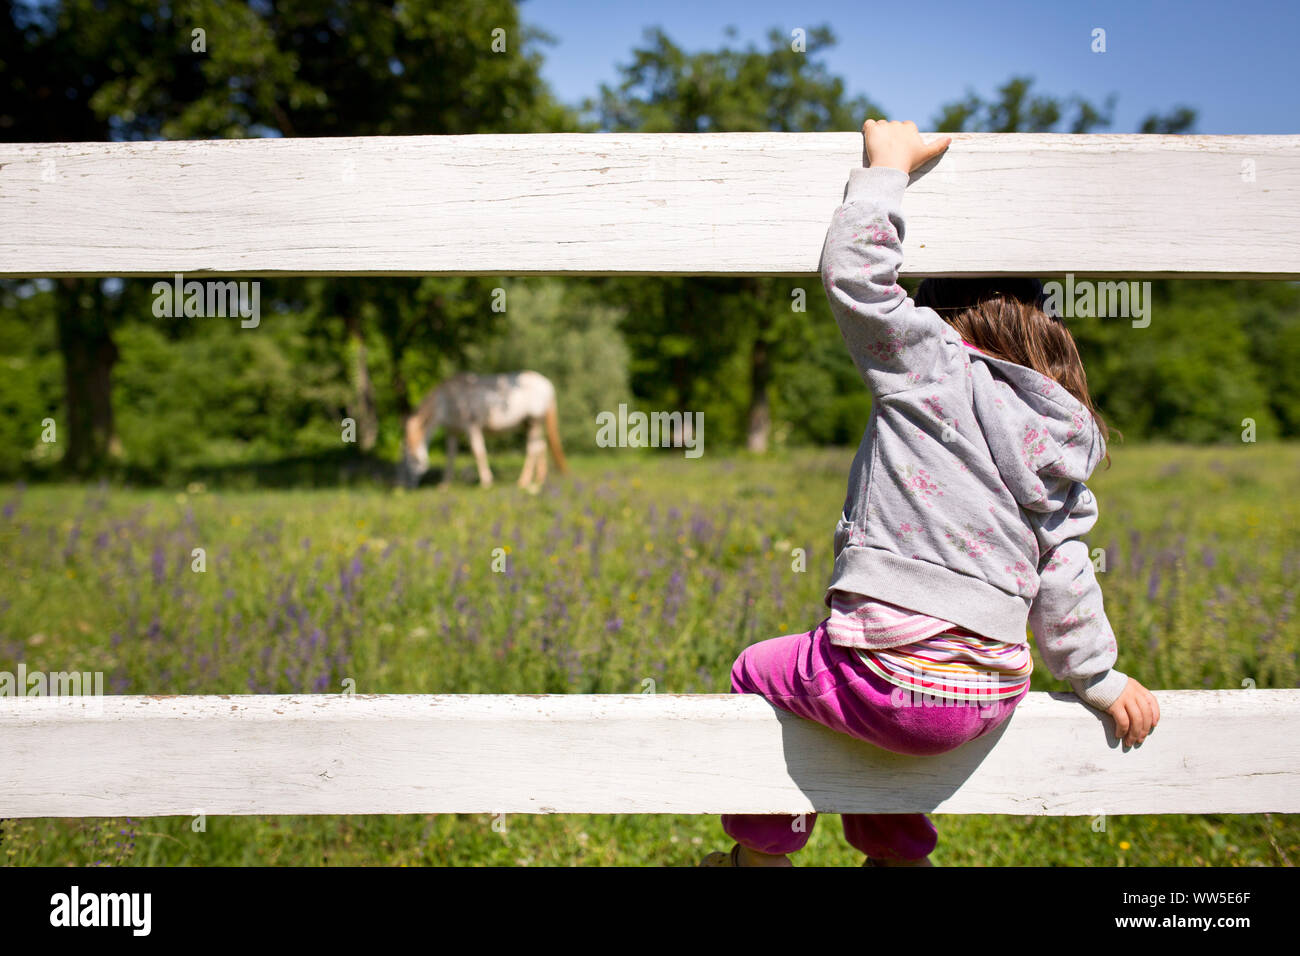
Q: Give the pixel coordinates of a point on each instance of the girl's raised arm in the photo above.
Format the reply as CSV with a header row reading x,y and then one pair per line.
x,y
894,344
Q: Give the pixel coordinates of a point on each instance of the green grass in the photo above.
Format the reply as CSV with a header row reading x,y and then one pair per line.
x,y
634,568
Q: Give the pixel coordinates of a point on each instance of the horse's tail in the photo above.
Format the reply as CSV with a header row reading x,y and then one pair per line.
x,y
553,438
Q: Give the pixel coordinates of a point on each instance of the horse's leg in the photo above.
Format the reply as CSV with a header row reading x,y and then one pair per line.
x,y
525,474
480,455
534,456
450,470
537,440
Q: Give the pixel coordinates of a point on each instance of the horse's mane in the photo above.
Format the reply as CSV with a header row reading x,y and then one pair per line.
x,y
424,413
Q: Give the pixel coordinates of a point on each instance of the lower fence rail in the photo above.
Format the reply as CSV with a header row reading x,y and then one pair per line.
x,y
1232,751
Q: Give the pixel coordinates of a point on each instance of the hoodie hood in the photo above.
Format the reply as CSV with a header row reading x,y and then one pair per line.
x,y
1041,437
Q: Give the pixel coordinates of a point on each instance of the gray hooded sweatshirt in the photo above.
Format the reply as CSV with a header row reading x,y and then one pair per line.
x,y
966,499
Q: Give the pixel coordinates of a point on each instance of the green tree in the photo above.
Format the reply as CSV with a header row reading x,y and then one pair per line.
x,y
1212,354
1016,109
565,331
312,68
146,69
52,65
684,331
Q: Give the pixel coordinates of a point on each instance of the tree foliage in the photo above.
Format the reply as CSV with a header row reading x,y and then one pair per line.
x,y
761,357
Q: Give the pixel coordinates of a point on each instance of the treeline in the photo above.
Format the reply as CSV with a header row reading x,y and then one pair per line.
x,y
157,398
204,392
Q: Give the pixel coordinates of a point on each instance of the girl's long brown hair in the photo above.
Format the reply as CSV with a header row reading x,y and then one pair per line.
x,y
1005,317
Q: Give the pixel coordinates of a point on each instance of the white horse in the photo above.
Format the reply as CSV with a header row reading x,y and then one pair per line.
x,y
474,404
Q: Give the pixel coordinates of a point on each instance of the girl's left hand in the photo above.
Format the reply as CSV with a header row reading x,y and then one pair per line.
x,y
898,145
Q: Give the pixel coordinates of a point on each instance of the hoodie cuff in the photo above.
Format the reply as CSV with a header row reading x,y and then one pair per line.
x,y
882,183
1101,690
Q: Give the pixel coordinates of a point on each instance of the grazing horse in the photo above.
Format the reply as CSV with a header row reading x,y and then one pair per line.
x,y
474,404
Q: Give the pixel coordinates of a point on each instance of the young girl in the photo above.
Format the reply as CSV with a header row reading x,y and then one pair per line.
x,y
966,503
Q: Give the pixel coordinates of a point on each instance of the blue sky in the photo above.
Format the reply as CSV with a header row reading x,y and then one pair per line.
x,y
1235,63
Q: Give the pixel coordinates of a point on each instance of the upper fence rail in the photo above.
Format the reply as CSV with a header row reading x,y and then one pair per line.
x,y
661,204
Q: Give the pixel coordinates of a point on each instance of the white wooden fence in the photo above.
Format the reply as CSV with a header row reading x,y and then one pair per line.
x,y
743,204
1224,751
572,204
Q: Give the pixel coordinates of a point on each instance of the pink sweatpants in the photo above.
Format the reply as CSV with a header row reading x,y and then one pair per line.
x,y
809,676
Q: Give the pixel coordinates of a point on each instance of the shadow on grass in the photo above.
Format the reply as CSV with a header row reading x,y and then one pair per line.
x,y
342,469
323,470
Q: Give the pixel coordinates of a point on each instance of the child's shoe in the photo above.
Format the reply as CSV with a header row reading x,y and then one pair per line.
x,y
872,861
719,858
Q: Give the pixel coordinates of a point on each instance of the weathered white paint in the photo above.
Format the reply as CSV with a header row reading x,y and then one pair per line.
x,y
724,203
1214,751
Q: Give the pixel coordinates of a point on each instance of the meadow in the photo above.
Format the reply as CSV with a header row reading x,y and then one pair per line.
x,y
635,568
